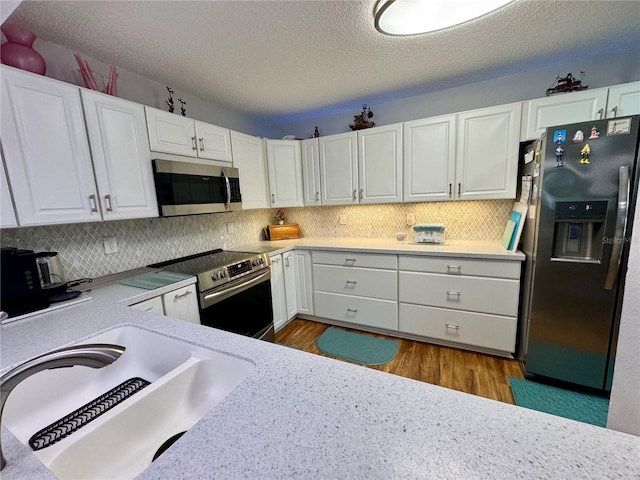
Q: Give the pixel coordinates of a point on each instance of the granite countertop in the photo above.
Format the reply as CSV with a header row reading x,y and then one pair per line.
x,y
456,248
303,416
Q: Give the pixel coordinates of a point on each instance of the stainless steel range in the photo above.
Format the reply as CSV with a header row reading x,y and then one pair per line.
x,y
234,290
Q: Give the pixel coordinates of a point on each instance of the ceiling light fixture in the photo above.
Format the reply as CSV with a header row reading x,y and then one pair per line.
x,y
411,17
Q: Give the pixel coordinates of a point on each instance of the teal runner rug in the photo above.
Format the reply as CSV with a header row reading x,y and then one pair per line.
x,y
579,406
357,348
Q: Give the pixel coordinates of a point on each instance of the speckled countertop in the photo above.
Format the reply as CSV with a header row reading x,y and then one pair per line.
x,y
455,248
303,416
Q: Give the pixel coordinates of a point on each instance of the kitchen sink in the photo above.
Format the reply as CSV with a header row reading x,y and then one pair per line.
x,y
185,382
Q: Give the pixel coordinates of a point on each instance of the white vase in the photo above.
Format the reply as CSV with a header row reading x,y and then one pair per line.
x,y
280,222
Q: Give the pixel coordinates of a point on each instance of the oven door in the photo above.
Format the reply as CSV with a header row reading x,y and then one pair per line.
x,y
242,306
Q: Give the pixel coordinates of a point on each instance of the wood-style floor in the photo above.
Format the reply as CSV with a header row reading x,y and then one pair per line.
x,y
475,373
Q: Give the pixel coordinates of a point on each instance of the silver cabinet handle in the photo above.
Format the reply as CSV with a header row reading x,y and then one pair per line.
x,y
317,196
275,259
193,144
182,296
286,261
449,190
459,188
453,267
201,144
107,203
600,112
450,292
354,194
352,281
451,325
624,186
349,260
94,204
354,310
361,193
273,198
614,110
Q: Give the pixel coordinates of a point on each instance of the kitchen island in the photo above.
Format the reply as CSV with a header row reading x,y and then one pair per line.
x,y
303,416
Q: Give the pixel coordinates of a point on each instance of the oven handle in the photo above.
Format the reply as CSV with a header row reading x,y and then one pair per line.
x,y
212,298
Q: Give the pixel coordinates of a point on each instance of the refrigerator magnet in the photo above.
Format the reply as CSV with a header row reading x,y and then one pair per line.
x,y
584,154
594,133
559,137
619,126
578,137
559,154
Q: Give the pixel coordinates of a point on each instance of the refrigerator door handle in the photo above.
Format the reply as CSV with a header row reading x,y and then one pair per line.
x,y
621,228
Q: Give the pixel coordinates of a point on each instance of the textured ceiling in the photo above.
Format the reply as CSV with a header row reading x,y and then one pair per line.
x,y
283,58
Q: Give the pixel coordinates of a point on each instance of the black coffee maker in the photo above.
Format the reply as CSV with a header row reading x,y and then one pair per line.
x,y
20,290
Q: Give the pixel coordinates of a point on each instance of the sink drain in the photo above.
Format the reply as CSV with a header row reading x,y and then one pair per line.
x,y
79,418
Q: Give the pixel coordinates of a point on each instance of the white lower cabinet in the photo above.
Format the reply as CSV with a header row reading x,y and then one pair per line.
x,y
181,303
283,288
358,288
304,281
461,302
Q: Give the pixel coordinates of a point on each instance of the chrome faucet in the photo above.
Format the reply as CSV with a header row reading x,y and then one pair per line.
x,y
95,355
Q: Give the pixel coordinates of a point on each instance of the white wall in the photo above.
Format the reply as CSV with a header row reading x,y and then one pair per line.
x,y
624,407
601,71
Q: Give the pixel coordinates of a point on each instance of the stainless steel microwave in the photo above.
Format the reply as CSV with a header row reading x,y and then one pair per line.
x,y
184,188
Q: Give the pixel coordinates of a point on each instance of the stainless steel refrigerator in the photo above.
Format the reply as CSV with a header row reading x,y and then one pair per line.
x,y
583,188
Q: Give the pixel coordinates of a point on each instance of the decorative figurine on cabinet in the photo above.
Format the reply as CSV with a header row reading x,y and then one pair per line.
x,y
567,84
362,121
169,101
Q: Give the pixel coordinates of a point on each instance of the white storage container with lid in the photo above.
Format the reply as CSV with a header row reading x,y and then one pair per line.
x,y
428,233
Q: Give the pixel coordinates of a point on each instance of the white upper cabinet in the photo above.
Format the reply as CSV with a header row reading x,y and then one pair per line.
x,y
284,165
311,172
429,159
615,101
46,150
623,100
487,152
380,164
339,168
121,157
248,158
178,135
7,213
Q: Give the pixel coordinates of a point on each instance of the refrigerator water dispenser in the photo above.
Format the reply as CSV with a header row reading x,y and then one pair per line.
x,y
578,231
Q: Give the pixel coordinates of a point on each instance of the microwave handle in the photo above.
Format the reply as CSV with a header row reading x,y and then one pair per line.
x,y
228,187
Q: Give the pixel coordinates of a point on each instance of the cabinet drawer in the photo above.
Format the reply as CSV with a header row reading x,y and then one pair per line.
x,y
461,266
477,329
152,305
359,310
353,259
365,282
486,295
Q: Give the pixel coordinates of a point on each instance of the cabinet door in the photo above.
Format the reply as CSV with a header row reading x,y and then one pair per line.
x,y
152,305
623,100
380,164
429,159
310,172
563,108
182,304
304,281
214,143
278,296
171,133
7,213
121,158
291,295
487,152
248,158
46,150
339,169
285,173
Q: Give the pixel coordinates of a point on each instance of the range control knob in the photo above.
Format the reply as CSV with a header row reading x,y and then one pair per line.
x,y
223,273
260,261
214,276
254,262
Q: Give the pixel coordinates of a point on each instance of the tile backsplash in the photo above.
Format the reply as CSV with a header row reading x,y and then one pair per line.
x,y
144,241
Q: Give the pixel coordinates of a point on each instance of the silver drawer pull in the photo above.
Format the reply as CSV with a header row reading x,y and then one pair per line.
x,y
454,267
351,281
181,296
94,205
194,145
450,292
454,327
349,260
354,310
